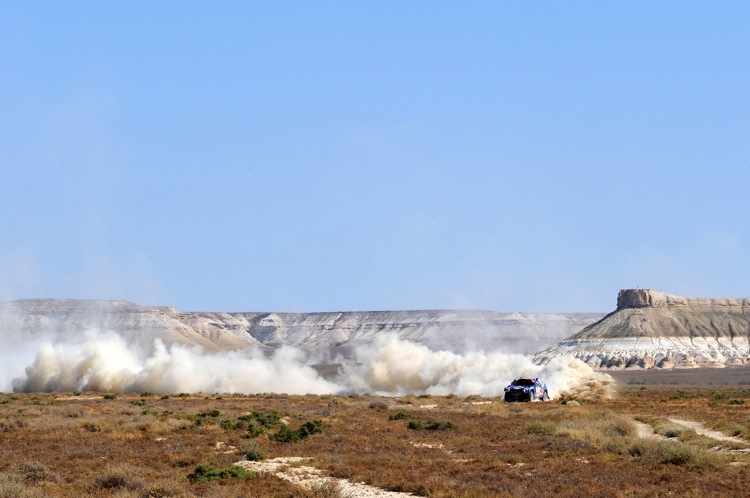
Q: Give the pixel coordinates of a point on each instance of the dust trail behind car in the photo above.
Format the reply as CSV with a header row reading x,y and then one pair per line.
x,y
106,362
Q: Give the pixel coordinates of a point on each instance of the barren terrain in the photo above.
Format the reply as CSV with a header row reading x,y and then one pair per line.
x,y
88,444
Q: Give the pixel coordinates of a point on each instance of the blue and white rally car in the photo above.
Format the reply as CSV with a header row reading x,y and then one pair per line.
x,y
526,389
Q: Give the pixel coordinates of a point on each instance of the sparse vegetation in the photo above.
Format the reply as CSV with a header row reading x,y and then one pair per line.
x,y
541,428
253,452
398,416
378,404
323,490
88,445
431,425
205,473
287,435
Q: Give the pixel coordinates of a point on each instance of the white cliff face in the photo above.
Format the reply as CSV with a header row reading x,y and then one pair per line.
x,y
454,330
655,330
32,319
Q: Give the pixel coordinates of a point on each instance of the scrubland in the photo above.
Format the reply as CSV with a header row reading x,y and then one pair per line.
x,y
141,445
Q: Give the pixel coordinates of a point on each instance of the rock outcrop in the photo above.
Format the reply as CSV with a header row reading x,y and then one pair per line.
x,y
455,330
652,329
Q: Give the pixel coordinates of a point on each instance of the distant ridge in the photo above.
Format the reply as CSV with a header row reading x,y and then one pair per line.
x,y
336,332
651,329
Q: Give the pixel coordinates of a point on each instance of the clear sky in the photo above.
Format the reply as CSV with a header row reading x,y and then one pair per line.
x,y
319,156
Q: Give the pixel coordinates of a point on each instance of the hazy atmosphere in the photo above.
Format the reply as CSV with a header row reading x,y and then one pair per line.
x,y
315,156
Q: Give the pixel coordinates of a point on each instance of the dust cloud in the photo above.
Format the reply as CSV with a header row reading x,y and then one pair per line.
x,y
105,362
396,367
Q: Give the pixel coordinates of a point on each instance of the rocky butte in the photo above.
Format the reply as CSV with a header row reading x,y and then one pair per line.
x,y
329,333
651,329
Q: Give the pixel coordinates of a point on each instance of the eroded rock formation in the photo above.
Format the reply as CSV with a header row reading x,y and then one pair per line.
x,y
652,329
454,330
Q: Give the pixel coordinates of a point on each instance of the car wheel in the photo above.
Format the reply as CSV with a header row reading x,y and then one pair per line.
x,y
532,396
545,396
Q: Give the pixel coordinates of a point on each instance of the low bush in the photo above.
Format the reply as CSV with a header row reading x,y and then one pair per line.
x,y
163,488
378,404
206,473
600,428
431,425
287,435
398,416
693,457
91,427
673,432
257,422
437,425
268,420
35,473
254,453
254,429
111,481
541,428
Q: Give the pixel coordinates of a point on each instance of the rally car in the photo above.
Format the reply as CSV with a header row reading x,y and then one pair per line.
x,y
526,389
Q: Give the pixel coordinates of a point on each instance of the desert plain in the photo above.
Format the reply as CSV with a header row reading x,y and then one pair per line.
x,y
653,436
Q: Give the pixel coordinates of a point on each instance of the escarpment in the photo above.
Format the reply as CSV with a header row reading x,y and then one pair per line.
x,y
651,329
330,332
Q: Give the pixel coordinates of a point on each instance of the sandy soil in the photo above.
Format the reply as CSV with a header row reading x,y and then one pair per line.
x,y
683,376
703,431
289,469
645,431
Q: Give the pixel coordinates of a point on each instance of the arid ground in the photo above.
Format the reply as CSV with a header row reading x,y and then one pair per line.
x,y
138,445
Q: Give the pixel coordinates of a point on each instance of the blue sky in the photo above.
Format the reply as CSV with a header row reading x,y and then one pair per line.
x,y
317,156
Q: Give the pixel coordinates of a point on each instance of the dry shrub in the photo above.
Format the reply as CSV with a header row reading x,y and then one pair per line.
x,y
91,427
600,428
119,476
10,487
35,473
163,488
378,404
647,448
693,457
673,453
673,432
8,426
541,428
327,489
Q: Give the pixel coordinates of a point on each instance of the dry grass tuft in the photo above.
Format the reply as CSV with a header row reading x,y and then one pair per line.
x,y
378,404
35,473
327,489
